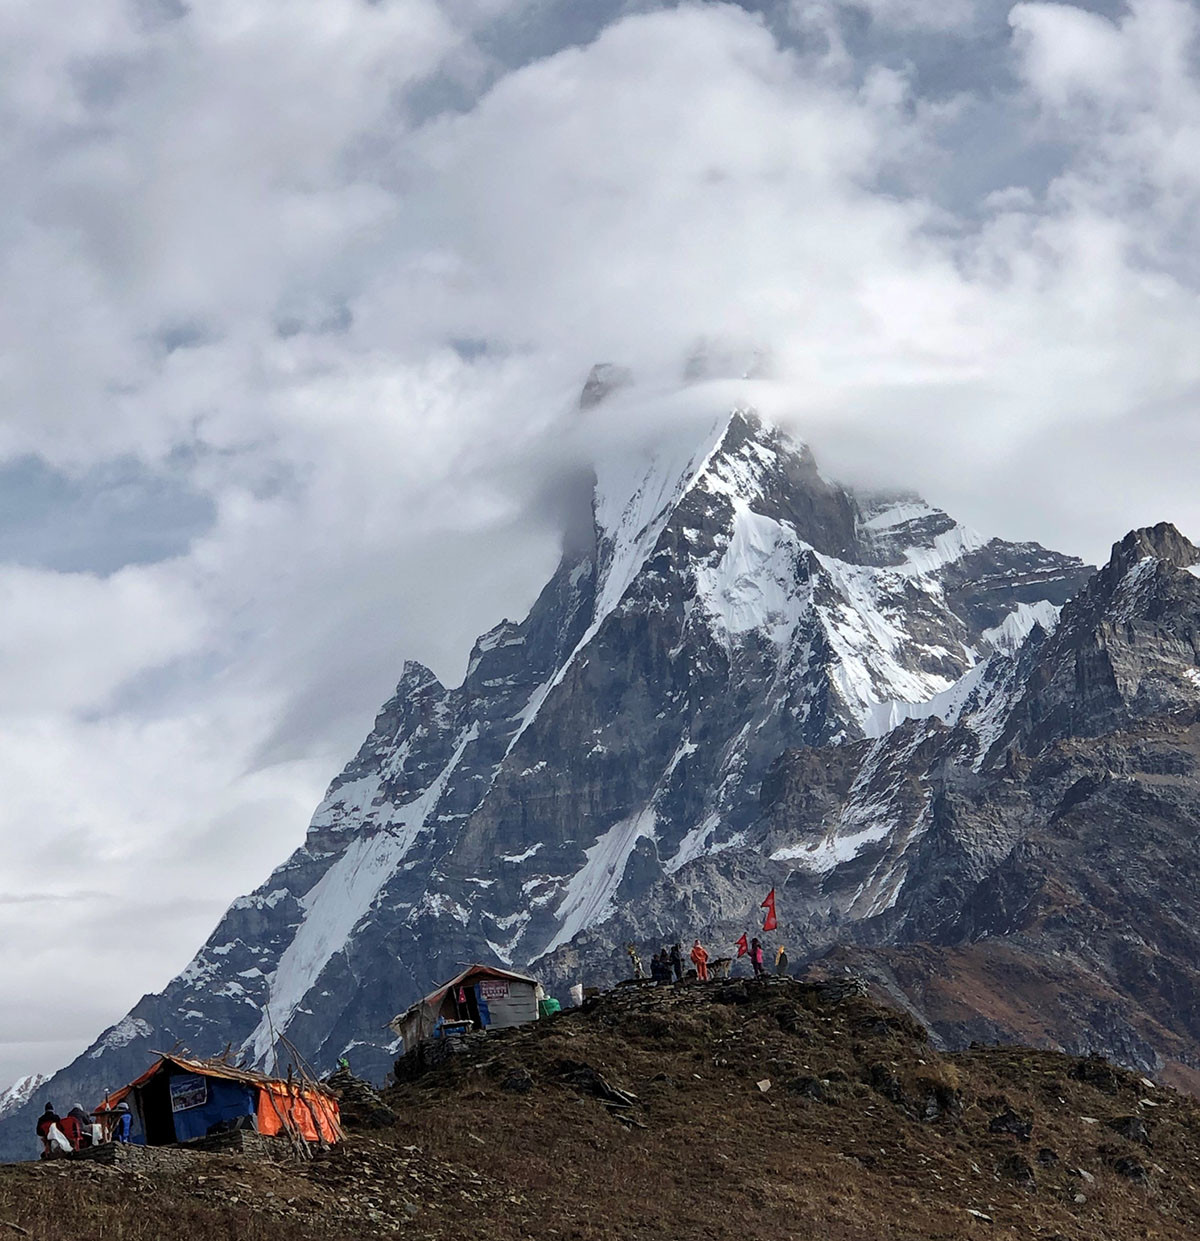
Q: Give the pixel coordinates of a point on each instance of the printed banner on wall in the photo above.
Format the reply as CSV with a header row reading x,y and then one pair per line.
x,y
188,1090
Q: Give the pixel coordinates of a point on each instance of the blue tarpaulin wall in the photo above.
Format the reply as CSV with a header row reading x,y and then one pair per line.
x,y
226,1101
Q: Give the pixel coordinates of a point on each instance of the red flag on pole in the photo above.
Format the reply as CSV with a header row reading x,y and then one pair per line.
x,y
769,923
742,946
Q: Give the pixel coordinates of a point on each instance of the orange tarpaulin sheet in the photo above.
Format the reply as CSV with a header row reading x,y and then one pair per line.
x,y
303,1110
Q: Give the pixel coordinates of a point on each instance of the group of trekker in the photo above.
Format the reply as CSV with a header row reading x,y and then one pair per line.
x,y
77,1130
668,965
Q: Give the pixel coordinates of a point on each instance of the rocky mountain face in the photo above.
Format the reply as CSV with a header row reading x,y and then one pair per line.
x,y
611,767
1050,892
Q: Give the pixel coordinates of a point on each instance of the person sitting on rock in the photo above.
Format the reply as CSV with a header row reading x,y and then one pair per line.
x,y
45,1120
85,1126
781,960
72,1130
700,960
756,958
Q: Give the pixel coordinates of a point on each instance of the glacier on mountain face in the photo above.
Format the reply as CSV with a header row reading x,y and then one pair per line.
x,y
1017,625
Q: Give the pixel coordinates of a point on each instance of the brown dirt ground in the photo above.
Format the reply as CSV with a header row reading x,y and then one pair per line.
x,y
864,1134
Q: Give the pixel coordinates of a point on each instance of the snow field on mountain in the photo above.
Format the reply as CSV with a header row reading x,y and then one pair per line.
x,y
20,1092
694,843
338,902
590,893
754,586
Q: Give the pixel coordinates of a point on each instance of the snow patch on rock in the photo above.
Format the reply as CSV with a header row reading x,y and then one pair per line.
x,y
1019,623
591,891
121,1035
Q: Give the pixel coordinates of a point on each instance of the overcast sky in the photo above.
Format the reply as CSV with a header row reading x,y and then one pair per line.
x,y
298,298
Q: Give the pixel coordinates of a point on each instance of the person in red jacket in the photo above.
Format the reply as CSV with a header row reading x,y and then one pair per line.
x,y
72,1130
700,960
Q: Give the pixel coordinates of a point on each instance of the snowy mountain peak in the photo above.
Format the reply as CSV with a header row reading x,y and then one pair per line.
x,y
610,748
21,1092
1162,542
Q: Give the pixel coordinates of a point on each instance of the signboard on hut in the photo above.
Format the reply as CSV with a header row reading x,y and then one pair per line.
x,y
188,1090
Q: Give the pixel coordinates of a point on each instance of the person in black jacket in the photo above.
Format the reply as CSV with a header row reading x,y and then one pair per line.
x,y
45,1120
677,962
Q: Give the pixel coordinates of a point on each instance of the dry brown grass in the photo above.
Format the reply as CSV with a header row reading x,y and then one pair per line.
x,y
838,1148
63,1202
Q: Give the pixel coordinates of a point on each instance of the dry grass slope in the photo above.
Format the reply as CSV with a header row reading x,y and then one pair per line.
x,y
642,1115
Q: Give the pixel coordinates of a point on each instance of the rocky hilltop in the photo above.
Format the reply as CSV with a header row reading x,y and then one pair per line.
x,y
745,676
719,1110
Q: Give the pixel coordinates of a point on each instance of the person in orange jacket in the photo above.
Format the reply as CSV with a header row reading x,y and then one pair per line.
x,y
700,960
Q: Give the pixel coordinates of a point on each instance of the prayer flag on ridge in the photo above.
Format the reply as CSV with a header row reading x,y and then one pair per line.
x,y
742,946
769,923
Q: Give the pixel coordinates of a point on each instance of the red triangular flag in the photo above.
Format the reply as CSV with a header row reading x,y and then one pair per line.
x,y
769,923
742,946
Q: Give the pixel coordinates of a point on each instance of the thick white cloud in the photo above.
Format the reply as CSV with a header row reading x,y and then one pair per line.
x,y
343,266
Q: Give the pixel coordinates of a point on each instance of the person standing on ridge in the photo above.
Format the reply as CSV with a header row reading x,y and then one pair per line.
x,y
677,962
124,1124
756,958
664,963
781,961
700,960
